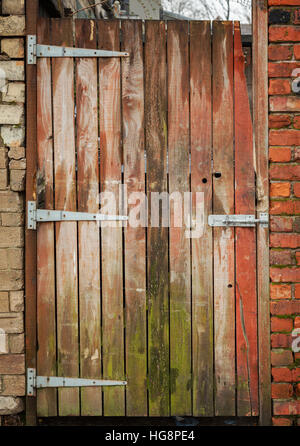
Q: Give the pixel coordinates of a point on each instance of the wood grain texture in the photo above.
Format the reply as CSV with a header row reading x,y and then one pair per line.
x,y
245,242
66,232
180,262
30,236
46,311
201,182
135,237
88,232
223,203
112,251
260,113
157,246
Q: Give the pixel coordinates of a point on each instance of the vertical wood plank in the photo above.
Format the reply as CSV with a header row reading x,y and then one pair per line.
x,y
88,232
66,232
223,203
201,181
135,238
110,178
245,242
260,113
30,236
180,263
157,246
46,317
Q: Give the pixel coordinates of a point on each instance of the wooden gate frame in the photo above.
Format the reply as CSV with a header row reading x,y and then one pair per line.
x,y
260,107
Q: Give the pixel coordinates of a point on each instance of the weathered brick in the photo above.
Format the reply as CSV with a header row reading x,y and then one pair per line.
x,y
297,322
16,299
285,240
296,224
280,421
280,291
296,374
12,136
279,86
279,121
12,322
10,405
297,51
13,69
280,52
281,224
285,274
284,103
16,343
281,374
282,391
283,2
17,164
16,153
15,92
280,190
3,158
13,385
280,258
278,324
3,179
291,207
11,280
11,201
281,357
289,137
297,291
296,188
12,25
11,237
13,6
4,302
14,48
296,122
291,407
279,340
11,258
17,180
12,364
12,219
285,172
11,114
284,33
282,69
279,16
285,307
280,154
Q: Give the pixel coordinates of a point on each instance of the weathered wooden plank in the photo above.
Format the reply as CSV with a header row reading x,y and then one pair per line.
x,y
260,114
180,261
223,203
30,236
201,181
135,237
157,246
245,242
88,232
66,232
110,178
46,317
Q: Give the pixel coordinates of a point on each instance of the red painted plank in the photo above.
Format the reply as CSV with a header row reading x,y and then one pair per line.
x,y
223,203
201,181
88,232
135,238
245,239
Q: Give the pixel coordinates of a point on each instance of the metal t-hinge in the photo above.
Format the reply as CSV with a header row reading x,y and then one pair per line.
x,y
35,216
35,50
245,221
40,382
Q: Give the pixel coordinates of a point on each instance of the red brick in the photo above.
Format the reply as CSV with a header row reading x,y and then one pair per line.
x,y
285,307
285,274
280,340
280,52
297,322
285,207
285,240
282,69
279,33
280,190
289,137
298,258
280,291
281,224
297,190
297,291
282,374
282,421
296,374
280,86
284,103
279,121
285,172
297,51
291,407
280,154
282,391
283,2
297,154
281,357
296,19
280,258
298,390
278,324
296,224
296,122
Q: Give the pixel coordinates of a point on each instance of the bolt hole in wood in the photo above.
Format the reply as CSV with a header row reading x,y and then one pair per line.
x,y
217,174
204,180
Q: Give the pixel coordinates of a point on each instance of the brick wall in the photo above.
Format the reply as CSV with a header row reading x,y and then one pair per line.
x,y
284,140
12,176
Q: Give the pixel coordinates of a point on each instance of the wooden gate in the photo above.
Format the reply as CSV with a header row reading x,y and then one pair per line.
x,y
175,317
